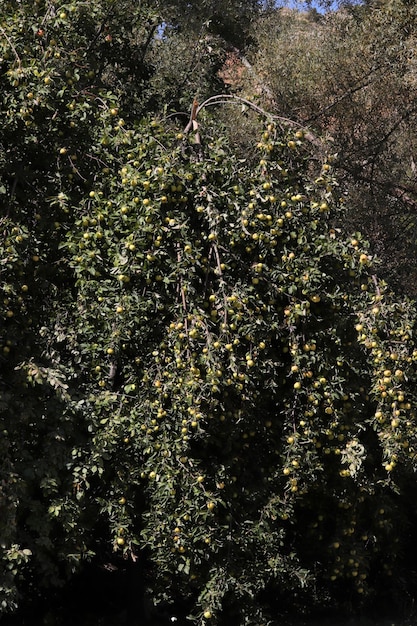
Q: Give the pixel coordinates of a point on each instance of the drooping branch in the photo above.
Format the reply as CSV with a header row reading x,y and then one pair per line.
x,y
234,99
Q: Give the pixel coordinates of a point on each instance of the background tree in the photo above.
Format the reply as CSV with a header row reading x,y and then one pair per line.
x,y
350,75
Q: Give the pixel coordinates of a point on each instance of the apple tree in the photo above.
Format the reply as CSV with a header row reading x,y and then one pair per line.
x,y
246,380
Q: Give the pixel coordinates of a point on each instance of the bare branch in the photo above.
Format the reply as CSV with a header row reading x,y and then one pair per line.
x,y
233,99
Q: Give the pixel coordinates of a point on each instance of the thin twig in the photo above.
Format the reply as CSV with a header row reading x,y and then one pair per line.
x,y
12,46
148,40
374,278
219,267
